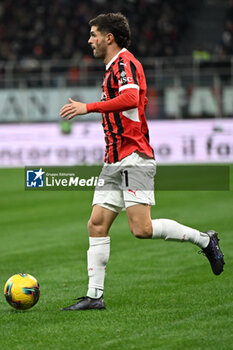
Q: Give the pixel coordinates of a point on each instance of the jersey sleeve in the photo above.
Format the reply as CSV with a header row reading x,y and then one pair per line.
x,y
126,73
127,100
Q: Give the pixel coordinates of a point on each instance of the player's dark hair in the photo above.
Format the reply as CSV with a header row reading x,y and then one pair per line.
x,y
116,24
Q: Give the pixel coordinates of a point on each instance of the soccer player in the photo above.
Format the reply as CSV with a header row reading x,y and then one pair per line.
x,y
129,164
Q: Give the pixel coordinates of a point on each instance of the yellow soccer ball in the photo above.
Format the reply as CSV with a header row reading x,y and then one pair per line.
x,y
22,291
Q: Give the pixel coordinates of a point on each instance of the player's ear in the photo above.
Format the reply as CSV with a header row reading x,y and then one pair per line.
x,y
109,38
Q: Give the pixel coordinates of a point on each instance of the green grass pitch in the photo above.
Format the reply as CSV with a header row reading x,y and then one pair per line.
x,y
159,295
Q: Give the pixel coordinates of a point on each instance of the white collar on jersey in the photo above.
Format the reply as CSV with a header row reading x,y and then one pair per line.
x,y
114,58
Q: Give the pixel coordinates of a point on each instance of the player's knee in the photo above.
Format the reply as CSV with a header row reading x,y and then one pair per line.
x,y
142,231
95,228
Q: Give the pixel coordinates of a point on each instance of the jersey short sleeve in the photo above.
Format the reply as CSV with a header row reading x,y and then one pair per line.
x,y
126,74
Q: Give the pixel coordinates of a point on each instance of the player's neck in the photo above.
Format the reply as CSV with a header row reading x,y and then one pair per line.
x,y
111,52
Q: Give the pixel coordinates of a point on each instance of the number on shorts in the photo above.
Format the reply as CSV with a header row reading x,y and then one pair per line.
x,y
125,172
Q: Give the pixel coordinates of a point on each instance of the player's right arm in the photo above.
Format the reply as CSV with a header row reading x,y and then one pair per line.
x,y
128,99
73,108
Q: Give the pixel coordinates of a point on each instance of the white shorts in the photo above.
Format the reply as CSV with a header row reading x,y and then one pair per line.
x,y
126,183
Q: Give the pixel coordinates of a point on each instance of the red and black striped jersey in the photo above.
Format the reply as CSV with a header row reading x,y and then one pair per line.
x,y
126,131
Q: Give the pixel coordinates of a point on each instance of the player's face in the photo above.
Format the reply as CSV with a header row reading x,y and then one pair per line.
x,y
98,43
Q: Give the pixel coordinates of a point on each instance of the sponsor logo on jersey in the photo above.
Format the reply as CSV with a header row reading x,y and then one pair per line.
x,y
125,80
123,64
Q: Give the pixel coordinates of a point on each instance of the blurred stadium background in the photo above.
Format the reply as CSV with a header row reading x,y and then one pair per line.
x,y
186,47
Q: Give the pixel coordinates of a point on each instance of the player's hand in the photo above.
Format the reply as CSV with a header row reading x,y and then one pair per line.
x,y
73,108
